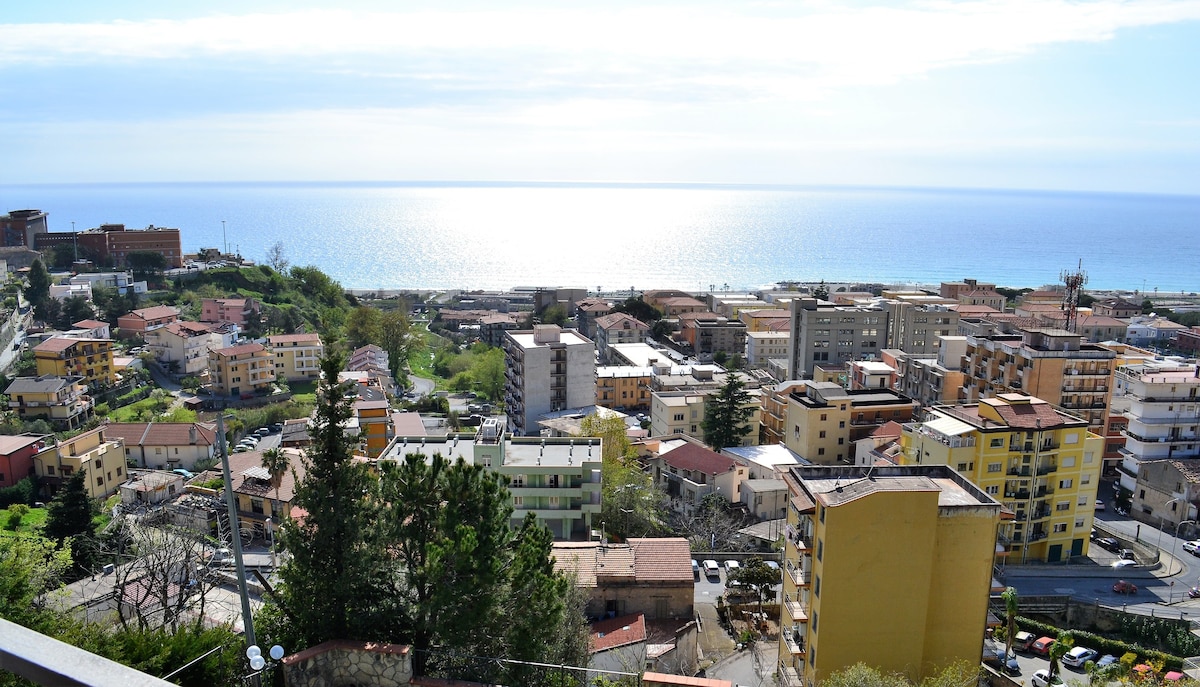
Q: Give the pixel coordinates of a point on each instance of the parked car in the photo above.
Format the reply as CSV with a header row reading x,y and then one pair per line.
x,y
1109,543
1106,660
262,431
1079,655
1100,505
773,565
1041,678
1194,593
1192,547
1124,563
1042,645
731,566
712,569
695,569
187,474
1008,663
1127,554
1023,640
1123,587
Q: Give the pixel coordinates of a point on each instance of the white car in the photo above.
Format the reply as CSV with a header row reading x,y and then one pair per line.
x,y
1042,679
1192,547
1079,655
731,566
711,568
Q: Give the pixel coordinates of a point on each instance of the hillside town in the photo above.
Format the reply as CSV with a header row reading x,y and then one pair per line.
x,y
758,487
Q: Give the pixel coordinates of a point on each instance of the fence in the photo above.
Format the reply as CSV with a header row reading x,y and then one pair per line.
x,y
497,671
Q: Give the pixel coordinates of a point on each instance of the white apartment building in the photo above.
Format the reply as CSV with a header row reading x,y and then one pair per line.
x,y
297,356
762,347
547,369
183,347
1160,402
556,479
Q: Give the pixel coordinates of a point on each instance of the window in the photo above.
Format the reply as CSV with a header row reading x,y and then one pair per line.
x,y
962,467
256,505
552,480
1066,483
158,451
1083,500
993,489
678,417
820,451
1064,505
842,424
554,502
1078,523
997,443
995,467
1085,479
99,481
1060,527
824,417
817,587
821,434
49,469
1067,462
518,501
518,481
820,548
841,440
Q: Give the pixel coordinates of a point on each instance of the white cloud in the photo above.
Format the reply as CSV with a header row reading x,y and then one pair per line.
x,y
768,51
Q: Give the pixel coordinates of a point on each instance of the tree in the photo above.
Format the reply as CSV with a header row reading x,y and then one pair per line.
x,y
146,263
759,577
488,371
709,526
554,314
727,414
69,521
630,504
956,674
277,463
29,567
37,290
821,291
1011,607
160,584
333,554
276,258
397,339
363,326
635,307
74,309
1058,649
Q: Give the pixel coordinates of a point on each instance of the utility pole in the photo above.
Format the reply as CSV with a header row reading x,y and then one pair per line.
x,y
224,238
231,506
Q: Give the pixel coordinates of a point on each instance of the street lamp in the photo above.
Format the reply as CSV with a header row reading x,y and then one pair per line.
x,y
271,533
1174,542
224,238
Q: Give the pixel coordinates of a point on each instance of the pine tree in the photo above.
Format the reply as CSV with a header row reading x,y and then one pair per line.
x,y
726,414
326,586
69,519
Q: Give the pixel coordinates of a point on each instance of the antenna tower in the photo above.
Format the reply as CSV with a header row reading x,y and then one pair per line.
x,y
1070,304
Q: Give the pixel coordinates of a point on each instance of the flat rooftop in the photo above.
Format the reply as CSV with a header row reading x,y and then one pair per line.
x,y
833,486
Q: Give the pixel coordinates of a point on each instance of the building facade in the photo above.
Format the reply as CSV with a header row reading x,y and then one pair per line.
x,y
165,445
241,370
61,401
183,347
297,356
94,453
90,358
824,334
857,535
824,419
1041,463
547,369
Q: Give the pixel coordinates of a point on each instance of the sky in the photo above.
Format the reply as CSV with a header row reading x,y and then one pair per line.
x,y
1098,95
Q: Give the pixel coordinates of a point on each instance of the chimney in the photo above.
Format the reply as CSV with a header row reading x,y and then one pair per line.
x,y
192,435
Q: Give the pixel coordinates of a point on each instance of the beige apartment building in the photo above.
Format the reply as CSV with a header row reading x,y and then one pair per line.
x,y
61,401
183,347
765,346
297,356
241,370
100,458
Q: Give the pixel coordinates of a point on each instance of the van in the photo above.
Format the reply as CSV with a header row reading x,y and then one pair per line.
x,y
1022,641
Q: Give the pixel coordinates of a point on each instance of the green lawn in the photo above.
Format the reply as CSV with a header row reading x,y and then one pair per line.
x,y
134,412
304,391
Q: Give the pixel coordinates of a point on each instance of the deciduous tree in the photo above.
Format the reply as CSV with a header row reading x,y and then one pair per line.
x,y
630,504
759,577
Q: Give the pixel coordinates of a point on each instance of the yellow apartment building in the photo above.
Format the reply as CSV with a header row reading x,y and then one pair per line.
x,y
824,420
90,358
101,459
374,425
241,370
623,386
1040,462
297,356
892,565
61,401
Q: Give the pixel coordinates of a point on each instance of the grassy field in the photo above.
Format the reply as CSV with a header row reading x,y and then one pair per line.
x,y
304,391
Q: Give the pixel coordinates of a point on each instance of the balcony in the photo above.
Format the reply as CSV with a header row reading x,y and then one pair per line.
x,y
796,610
1044,491
1046,469
789,676
1037,536
1020,495
794,641
798,575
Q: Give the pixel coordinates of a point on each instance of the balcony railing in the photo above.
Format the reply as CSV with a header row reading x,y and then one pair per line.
x,y
796,610
794,643
789,676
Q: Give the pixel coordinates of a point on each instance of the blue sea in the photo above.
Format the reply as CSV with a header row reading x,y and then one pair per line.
x,y
694,237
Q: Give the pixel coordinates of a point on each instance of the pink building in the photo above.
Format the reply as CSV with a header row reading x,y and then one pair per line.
x,y
16,457
235,310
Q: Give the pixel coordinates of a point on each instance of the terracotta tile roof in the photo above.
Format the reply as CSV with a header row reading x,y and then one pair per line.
x,y
666,559
699,315
769,313
155,313
682,300
10,444
190,329
56,344
1032,415
231,351
697,458
593,563
594,305
615,319
615,632
294,338
243,484
88,324
891,428
162,433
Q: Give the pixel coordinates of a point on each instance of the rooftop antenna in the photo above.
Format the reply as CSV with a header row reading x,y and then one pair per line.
x,y
1070,304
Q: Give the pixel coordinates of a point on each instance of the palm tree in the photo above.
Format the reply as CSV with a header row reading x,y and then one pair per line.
x,y
1058,649
276,462
1010,608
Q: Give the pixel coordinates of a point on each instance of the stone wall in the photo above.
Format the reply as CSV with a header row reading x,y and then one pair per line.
x,y
348,664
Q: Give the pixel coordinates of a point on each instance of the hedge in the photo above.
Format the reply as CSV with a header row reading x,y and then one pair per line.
x,y
1104,645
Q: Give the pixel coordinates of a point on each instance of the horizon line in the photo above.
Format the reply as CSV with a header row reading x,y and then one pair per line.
x,y
534,183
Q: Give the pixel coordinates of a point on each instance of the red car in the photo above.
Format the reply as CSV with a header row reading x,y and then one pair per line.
x,y
1123,587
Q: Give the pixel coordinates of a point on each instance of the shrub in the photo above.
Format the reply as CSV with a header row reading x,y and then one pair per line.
x,y
1104,645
